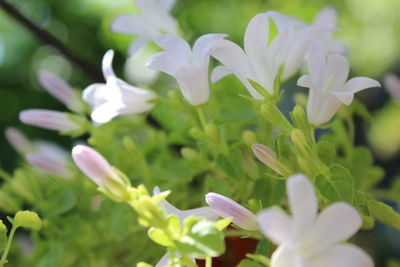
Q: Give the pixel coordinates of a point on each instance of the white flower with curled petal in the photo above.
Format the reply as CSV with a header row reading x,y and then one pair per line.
x,y
204,212
328,84
155,19
261,59
188,66
115,97
309,239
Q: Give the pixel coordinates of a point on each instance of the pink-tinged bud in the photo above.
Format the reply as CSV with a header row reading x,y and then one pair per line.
x,y
18,140
227,208
269,158
49,164
97,168
49,119
59,89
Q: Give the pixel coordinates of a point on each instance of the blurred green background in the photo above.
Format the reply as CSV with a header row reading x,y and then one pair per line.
x,y
371,29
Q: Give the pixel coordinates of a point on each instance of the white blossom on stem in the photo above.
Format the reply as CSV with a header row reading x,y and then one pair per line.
x,y
308,239
261,59
327,80
62,91
227,208
188,66
204,212
155,19
115,97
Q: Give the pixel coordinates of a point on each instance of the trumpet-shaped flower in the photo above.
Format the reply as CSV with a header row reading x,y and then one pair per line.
x,y
188,66
58,88
155,19
204,212
328,84
260,60
50,119
115,97
226,208
309,239
392,84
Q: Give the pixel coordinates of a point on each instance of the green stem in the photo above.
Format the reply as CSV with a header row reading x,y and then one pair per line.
x,y
202,117
208,262
187,261
3,259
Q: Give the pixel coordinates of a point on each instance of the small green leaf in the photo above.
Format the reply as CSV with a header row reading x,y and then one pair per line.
x,y
248,263
338,185
326,152
269,191
222,224
158,236
201,239
384,213
3,236
27,219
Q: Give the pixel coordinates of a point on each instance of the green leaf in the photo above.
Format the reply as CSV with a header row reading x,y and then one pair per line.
x,y
248,263
158,236
201,239
27,219
384,213
269,191
326,152
232,166
337,185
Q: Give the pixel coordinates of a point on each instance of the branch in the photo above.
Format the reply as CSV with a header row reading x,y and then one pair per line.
x,y
91,70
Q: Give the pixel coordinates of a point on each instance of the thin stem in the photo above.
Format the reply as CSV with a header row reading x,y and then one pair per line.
x,y
7,249
202,117
46,37
208,262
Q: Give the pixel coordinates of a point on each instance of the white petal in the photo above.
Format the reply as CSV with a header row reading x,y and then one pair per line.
x,y
155,14
316,62
167,4
137,44
336,72
276,225
303,202
321,107
304,81
220,72
134,99
132,24
96,94
193,83
164,62
175,45
345,97
107,65
231,55
326,17
105,112
285,257
346,255
204,212
163,261
337,223
360,83
203,46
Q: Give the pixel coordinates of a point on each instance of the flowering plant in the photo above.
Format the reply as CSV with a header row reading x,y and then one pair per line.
x,y
228,157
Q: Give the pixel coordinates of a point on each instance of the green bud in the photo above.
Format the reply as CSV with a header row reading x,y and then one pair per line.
x,y
27,219
190,154
212,132
301,143
299,119
249,138
197,134
300,99
274,116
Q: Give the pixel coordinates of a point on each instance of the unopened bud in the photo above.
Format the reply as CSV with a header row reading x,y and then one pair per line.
x,y
18,141
273,115
212,133
226,208
301,143
49,119
91,163
269,158
249,138
190,154
49,164
59,89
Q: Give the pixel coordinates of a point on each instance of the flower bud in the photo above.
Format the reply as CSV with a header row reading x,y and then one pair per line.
x,y
226,207
273,115
18,141
53,165
59,89
91,163
190,154
269,158
49,119
249,138
301,143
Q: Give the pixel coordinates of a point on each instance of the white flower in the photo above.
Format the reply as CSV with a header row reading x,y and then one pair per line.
x,y
204,212
327,17
328,84
188,66
308,239
155,19
226,208
261,59
115,97
392,84
58,88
